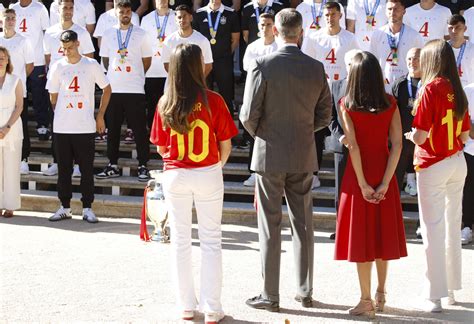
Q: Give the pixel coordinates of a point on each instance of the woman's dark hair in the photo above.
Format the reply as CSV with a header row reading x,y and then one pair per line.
x,y
9,68
365,85
186,82
437,60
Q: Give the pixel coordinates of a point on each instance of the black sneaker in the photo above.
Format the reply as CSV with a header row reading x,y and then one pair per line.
x,y
43,133
108,172
143,173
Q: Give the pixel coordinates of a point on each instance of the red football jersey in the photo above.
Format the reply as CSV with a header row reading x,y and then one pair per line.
x,y
435,114
200,146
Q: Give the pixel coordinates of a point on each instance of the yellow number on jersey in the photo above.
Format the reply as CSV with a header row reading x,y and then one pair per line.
x,y
198,123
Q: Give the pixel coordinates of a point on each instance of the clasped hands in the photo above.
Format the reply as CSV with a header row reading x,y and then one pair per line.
x,y
372,195
3,132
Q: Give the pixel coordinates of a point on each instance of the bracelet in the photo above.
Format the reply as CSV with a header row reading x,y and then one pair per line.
x,y
8,126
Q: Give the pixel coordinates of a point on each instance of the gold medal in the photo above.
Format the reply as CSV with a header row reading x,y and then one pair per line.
x,y
411,102
171,2
213,41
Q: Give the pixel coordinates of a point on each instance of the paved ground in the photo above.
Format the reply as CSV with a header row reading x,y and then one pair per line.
x,y
73,271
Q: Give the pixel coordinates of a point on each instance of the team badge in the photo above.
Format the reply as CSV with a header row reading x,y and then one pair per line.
x,y
128,68
223,20
79,105
450,97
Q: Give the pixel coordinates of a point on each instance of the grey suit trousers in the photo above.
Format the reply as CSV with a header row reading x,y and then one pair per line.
x,y
270,187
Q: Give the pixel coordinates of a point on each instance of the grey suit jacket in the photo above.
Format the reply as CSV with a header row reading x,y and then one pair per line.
x,y
286,100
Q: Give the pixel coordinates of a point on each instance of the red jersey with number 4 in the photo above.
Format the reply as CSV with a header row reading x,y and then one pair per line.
x,y
200,146
435,114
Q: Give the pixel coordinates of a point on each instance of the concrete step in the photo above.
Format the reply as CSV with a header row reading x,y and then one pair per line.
x,y
130,207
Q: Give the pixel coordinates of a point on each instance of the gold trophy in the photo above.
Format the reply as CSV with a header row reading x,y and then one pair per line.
x,y
156,208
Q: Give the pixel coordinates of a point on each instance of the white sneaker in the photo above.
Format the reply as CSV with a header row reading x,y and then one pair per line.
x,y
250,182
89,216
213,318
451,299
61,214
76,172
316,183
429,305
52,170
187,315
24,168
466,236
411,189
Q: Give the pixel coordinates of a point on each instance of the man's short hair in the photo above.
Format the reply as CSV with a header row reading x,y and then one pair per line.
x,y
455,19
402,2
332,5
268,16
68,36
61,1
183,7
124,4
289,23
8,11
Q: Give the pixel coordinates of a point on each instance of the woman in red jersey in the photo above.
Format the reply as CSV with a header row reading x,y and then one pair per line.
x,y
370,224
193,130
441,127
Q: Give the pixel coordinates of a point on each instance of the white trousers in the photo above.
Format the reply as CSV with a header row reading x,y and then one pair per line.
x,y
10,158
205,187
440,188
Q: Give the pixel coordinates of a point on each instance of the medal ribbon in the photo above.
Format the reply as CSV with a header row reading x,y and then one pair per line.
x,y
124,45
318,16
257,12
410,88
370,15
460,56
160,30
213,28
393,42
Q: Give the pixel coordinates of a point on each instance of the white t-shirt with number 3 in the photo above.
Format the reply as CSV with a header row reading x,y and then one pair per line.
x,y
431,24
75,86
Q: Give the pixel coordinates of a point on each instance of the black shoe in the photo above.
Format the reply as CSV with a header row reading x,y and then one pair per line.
x,y
43,133
260,303
143,173
108,172
305,301
332,236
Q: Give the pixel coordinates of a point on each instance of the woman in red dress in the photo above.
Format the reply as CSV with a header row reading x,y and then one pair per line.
x,y
370,224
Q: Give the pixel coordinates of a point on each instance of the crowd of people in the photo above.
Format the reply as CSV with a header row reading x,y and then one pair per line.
x,y
387,85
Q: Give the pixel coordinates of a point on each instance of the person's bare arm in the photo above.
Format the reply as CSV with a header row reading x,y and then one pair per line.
x,y
235,41
29,68
354,151
90,55
146,63
245,35
104,103
417,136
207,69
225,148
90,28
471,132
236,4
109,5
162,150
167,66
395,137
5,129
53,98
196,5
105,61
350,25
47,59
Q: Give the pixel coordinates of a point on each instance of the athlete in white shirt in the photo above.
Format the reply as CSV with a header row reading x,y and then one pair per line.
x,y
72,91
84,14
1,10
22,59
330,44
184,35
391,43
126,53
158,24
31,20
52,44
108,19
363,17
469,17
429,19
463,49
312,13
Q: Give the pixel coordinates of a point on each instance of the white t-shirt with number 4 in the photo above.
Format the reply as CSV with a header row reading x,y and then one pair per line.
x,y
306,11
380,47
467,64
157,69
363,32
21,54
330,50
469,17
431,24
84,13
126,74
31,21
196,38
75,86
108,19
52,44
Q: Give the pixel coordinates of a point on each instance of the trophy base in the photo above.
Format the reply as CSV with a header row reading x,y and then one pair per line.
x,y
159,237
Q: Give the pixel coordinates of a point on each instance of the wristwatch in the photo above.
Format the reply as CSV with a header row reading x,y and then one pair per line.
x,y
8,126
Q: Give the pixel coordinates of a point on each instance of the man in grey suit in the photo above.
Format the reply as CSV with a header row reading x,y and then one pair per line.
x,y
286,100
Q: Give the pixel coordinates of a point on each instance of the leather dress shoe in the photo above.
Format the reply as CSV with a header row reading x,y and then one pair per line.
x,y
305,301
259,302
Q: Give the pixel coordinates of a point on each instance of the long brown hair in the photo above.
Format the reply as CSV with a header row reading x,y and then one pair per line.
x,y
437,60
185,83
9,67
365,86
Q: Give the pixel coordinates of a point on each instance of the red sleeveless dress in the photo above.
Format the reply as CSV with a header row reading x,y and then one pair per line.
x,y
366,231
